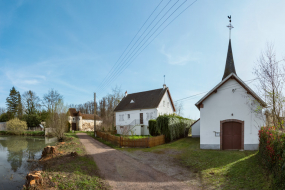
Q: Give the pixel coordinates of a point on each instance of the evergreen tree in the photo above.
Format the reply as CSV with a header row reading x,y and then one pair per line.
x,y
14,104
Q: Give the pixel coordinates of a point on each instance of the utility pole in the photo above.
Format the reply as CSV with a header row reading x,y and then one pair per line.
x,y
94,114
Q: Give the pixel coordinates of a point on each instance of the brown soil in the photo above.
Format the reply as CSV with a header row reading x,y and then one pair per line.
x,y
124,171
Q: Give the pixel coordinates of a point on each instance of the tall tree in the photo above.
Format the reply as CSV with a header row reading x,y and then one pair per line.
x,y
14,104
31,102
270,77
51,99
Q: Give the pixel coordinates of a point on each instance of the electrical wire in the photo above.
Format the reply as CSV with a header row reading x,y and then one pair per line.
x,y
130,61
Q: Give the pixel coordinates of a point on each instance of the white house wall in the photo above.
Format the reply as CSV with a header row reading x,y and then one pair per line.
x,y
220,106
135,118
167,107
196,129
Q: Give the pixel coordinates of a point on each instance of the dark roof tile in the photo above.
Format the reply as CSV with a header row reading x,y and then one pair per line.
x,y
142,100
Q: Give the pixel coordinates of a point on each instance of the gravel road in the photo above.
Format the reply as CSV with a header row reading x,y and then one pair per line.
x,y
124,172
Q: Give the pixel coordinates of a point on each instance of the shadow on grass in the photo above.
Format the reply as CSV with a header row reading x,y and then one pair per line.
x,y
247,173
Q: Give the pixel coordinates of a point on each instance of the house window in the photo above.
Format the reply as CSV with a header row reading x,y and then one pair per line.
x,y
151,115
73,119
163,103
129,116
123,117
168,104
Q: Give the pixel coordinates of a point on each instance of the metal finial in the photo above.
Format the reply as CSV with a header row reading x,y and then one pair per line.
x,y
230,26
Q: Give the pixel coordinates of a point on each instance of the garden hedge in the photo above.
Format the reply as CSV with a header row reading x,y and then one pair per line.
x,y
272,154
172,126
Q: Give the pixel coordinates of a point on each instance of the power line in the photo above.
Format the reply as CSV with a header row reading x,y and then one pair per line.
x,y
131,41
130,61
143,31
228,87
133,50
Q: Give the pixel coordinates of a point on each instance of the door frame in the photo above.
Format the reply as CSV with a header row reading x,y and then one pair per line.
x,y
72,126
221,131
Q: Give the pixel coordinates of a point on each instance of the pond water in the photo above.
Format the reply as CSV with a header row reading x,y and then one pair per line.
x,y
14,153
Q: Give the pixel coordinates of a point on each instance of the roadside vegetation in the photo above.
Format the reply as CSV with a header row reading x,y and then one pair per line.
x,y
24,133
72,168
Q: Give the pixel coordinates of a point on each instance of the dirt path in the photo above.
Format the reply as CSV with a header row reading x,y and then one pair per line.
x,y
165,161
125,172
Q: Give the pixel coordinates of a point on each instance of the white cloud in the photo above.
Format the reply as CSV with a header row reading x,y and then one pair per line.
x,y
177,56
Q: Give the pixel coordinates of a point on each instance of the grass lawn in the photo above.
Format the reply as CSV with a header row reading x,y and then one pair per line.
x,y
135,136
72,172
218,169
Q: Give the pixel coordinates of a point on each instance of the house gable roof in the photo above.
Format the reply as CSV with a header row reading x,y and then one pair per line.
x,y
231,76
74,113
143,100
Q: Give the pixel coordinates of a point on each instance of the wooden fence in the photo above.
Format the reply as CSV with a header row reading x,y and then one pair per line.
x,y
126,142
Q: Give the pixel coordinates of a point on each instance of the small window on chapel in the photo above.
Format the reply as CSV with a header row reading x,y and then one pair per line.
x,y
73,119
163,103
129,116
168,104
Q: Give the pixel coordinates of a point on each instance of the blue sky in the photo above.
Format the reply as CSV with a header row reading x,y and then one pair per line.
x,y
72,45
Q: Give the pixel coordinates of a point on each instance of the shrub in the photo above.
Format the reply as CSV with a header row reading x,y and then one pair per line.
x,y
16,126
172,126
272,153
153,129
33,120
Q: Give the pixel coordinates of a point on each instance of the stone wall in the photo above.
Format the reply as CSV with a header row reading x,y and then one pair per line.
x,y
3,126
88,125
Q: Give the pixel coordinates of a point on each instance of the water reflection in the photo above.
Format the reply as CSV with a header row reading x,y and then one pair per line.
x,y
14,153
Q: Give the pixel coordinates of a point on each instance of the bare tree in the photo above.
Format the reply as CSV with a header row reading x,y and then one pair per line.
x,y
31,102
58,120
51,99
270,78
2,110
179,108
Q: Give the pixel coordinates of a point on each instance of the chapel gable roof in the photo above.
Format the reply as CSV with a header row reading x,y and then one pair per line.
x,y
143,100
231,76
230,65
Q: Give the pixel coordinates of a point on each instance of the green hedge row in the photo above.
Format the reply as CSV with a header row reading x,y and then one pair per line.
x,y
172,126
272,154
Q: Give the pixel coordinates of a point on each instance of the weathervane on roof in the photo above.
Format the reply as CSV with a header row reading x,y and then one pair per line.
x,y
230,26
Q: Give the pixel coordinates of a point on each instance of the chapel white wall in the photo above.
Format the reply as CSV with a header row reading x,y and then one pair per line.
x,y
220,106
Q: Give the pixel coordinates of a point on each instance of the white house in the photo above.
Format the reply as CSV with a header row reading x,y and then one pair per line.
x,y
135,110
228,113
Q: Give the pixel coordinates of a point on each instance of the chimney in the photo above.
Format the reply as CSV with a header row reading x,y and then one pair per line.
x,y
164,86
126,93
